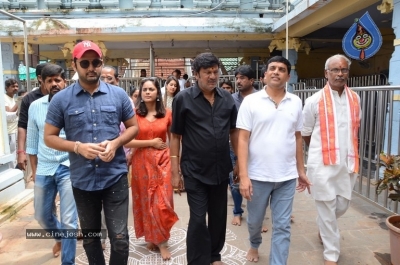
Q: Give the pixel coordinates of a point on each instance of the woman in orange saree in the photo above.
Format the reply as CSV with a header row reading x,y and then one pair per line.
x,y
152,193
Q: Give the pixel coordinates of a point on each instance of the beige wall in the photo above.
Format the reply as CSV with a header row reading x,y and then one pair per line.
x,y
312,65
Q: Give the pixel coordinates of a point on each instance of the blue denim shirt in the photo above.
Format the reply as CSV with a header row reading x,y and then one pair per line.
x,y
92,119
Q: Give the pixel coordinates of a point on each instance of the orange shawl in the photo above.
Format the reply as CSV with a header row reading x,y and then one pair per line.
x,y
329,135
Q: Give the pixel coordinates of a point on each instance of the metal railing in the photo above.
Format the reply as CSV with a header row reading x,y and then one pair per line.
x,y
375,136
368,80
354,81
302,86
130,83
311,82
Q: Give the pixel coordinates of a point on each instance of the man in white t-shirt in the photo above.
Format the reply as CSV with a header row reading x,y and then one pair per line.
x,y
11,87
270,158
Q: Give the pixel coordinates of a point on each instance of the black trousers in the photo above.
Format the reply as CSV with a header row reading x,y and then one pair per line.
x,y
204,243
115,201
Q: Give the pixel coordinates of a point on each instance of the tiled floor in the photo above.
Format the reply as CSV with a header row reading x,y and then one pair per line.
x,y
365,239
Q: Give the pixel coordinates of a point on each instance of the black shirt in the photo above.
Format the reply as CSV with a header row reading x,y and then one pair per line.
x,y
205,133
25,103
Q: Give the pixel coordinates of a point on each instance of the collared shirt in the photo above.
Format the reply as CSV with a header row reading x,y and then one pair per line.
x,y
92,119
48,159
26,102
205,132
238,98
272,143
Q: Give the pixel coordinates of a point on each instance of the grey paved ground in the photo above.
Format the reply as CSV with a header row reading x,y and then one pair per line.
x,y
365,239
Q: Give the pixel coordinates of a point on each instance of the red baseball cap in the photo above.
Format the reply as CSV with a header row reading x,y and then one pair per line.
x,y
84,46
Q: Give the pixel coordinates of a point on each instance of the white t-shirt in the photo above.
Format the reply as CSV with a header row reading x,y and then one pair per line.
x,y
272,143
12,125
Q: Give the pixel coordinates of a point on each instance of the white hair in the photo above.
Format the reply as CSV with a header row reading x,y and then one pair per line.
x,y
337,56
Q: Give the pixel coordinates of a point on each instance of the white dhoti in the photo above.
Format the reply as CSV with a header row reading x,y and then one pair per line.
x,y
12,137
328,213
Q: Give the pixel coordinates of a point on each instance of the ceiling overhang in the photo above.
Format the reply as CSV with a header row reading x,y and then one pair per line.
x,y
319,14
142,29
173,37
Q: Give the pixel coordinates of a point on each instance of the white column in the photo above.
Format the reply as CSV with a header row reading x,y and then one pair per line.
x,y
394,79
292,54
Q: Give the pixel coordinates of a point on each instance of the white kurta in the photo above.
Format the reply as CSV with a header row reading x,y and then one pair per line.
x,y
328,180
12,124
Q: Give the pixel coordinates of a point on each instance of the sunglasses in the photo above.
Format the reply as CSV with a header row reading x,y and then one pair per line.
x,y
86,63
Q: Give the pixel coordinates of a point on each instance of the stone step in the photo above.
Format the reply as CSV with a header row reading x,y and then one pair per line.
x,y
10,177
11,207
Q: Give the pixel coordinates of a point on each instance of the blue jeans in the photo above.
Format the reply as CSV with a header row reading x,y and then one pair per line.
x,y
45,191
281,195
114,201
236,196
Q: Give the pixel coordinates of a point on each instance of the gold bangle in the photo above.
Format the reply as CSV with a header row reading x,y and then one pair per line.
x,y
77,143
173,156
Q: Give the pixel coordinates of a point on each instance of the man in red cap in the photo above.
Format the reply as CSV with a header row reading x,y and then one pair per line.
x,y
90,111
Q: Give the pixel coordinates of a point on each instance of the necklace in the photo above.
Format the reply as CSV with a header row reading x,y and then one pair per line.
x,y
211,100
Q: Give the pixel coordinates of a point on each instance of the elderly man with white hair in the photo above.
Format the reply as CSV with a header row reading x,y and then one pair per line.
x,y
331,119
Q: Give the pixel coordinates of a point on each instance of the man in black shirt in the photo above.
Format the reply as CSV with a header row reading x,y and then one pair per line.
x,y
23,116
204,117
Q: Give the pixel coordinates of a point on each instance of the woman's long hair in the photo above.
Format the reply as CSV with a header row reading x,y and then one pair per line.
x,y
169,79
141,109
133,90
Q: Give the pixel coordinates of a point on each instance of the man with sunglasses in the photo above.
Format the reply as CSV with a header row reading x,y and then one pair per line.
x,y
90,111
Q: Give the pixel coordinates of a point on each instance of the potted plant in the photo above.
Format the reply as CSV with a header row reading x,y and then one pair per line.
x,y
391,182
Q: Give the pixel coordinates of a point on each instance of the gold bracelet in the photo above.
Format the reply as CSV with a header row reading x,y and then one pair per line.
x,y
77,143
173,156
